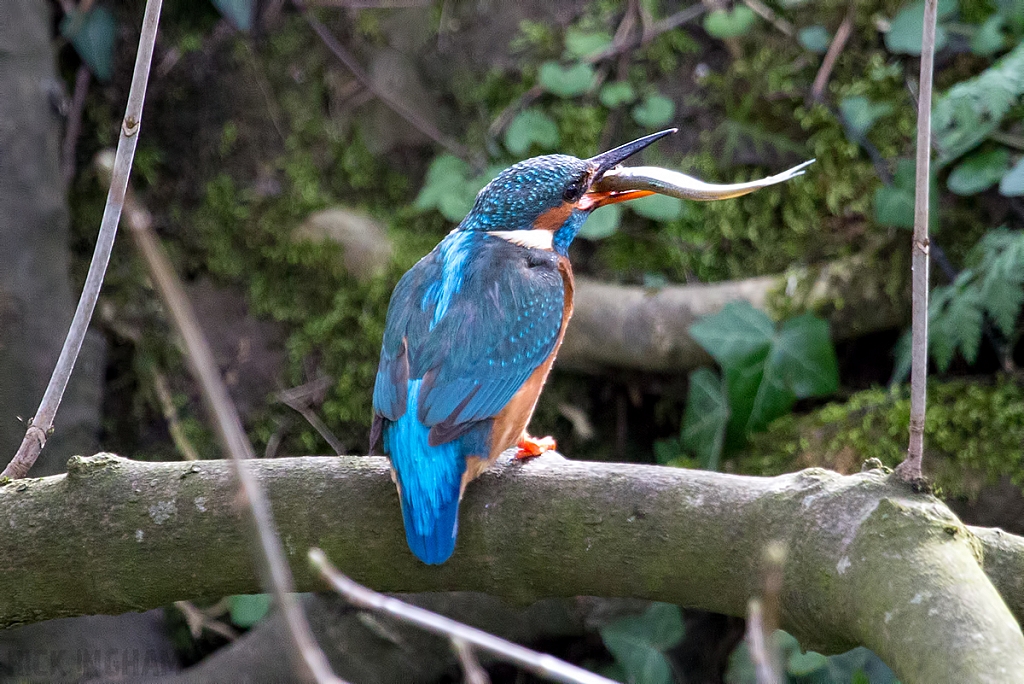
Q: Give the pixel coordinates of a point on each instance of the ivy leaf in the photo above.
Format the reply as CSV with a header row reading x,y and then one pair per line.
x,y
707,414
248,609
566,81
580,44
93,35
655,111
445,176
757,396
733,23
860,113
638,643
530,127
802,664
815,38
988,38
238,12
904,35
602,222
978,171
894,206
805,356
1012,184
617,94
658,207
735,333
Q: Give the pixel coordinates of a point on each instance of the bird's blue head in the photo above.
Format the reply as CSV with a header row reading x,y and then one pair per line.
x,y
551,193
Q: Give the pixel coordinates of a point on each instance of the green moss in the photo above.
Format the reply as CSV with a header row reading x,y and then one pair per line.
x,y
974,434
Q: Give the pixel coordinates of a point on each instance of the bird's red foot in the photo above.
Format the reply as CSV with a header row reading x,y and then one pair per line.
x,y
529,447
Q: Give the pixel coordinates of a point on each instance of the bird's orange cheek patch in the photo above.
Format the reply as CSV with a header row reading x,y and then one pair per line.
x,y
553,218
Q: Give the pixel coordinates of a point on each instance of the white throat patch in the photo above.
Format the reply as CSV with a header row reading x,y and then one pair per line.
x,y
534,239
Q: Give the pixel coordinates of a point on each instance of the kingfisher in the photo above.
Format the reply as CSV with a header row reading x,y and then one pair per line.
x,y
472,331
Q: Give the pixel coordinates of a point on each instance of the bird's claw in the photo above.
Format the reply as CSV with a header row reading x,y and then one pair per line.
x,y
530,447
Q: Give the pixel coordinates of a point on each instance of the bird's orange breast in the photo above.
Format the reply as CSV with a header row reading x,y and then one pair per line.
x,y
510,424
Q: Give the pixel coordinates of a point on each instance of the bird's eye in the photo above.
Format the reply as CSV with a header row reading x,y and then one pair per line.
x,y
574,191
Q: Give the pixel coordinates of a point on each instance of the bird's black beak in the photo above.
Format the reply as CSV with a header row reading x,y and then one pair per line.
x,y
612,158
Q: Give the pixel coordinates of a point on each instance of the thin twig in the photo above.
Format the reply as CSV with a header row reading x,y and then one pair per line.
x,y
540,664
42,423
170,411
834,50
758,644
74,127
298,399
197,620
310,662
403,110
471,669
910,469
766,13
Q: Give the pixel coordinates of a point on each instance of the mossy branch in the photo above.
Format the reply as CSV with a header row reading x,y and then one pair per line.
x,y
648,329
868,561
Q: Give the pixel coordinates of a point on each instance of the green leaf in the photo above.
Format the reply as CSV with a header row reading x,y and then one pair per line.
x,y
602,223
805,356
735,333
803,664
248,609
1012,184
238,12
729,23
580,44
566,81
860,113
655,111
955,319
531,127
815,38
978,171
894,206
988,38
902,358
617,94
707,414
971,110
757,396
904,34
93,36
638,643
658,207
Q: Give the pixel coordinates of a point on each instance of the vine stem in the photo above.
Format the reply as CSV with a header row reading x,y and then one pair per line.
x,y
42,423
910,469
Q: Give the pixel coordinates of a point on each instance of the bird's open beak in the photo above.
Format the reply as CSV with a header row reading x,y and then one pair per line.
x,y
606,161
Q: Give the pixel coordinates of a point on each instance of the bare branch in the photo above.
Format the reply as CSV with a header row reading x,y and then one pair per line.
x,y
910,469
835,48
540,664
298,399
474,673
42,423
67,156
310,662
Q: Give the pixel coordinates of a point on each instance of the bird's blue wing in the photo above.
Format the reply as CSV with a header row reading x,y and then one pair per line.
x,y
500,315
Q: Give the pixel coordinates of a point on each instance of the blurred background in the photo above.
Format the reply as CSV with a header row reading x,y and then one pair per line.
x,y
298,157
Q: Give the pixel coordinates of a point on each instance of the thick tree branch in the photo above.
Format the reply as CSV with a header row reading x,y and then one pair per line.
x,y
115,535
648,329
